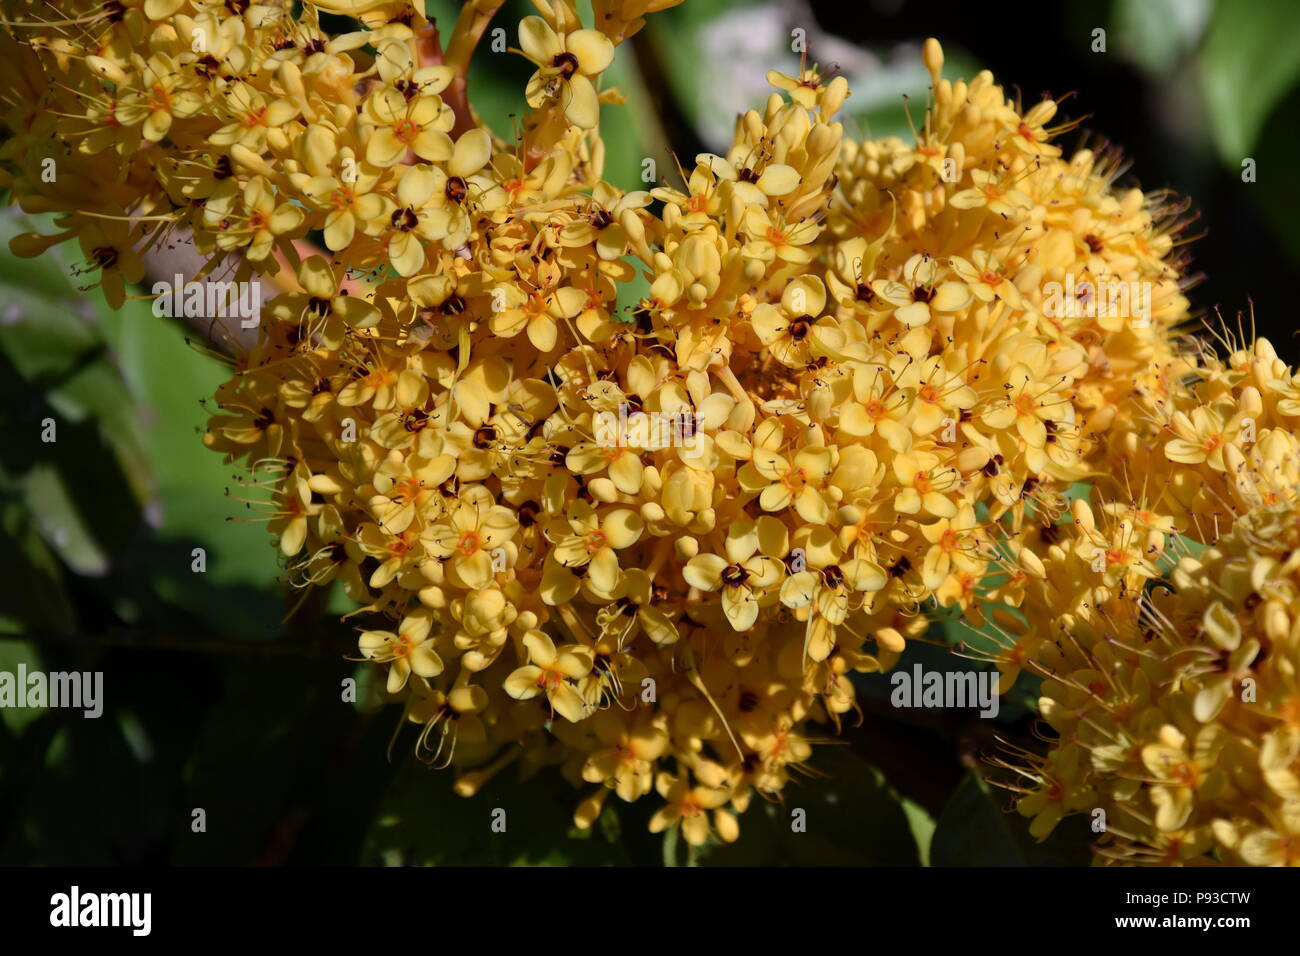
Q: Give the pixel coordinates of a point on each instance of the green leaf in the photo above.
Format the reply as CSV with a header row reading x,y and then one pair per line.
x,y
61,522
1250,60
13,654
169,379
625,128
976,830
422,822
260,757
853,817
33,596
1156,34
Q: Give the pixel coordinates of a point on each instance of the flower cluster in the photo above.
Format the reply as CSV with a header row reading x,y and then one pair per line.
x,y
880,365
1169,671
1173,687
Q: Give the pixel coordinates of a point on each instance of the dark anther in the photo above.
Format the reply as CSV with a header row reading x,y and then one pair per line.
x,y
456,189
566,63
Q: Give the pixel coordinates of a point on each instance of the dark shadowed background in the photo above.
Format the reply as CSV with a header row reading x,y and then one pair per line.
x,y
223,694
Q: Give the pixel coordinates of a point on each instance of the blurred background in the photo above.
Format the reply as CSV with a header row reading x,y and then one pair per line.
x,y
222,693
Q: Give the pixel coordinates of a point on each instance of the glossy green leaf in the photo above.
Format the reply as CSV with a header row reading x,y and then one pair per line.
x,y
975,829
1250,59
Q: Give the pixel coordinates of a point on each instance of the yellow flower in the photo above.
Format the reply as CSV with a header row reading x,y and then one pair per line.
x,y
792,331
636,604
689,807
593,541
162,96
474,528
410,650
419,124
878,407
109,247
989,192
348,199
782,482
747,573
803,89
924,485
1182,776
536,313
938,391
603,225
773,237
631,747
1202,437
258,225
566,65
552,671
1029,405
252,116
984,275
920,294
323,307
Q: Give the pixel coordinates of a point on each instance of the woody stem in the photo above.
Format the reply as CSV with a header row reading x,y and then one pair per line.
x,y
470,27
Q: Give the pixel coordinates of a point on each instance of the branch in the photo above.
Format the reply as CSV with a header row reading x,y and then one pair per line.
x,y
470,27
177,256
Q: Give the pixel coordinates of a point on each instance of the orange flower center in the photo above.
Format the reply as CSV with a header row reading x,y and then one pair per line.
x,y
535,306
381,377
406,131
408,489
159,98
1187,775
1290,712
